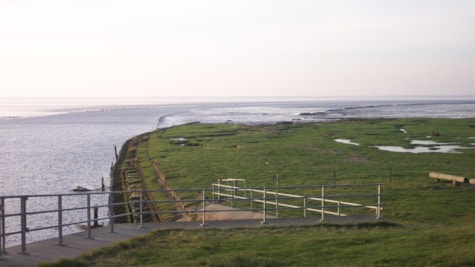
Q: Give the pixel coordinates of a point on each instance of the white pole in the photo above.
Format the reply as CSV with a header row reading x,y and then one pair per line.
x,y
323,203
264,210
378,210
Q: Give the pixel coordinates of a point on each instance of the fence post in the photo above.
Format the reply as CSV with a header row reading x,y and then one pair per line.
x,y
339,211
305,207
264,208
235,190
212,193
96,216
219,189
60,220
277,198
252,200
204,208
111,212
323,203
89,231
141,209
2,227
378,210
2,244
24,227
232,196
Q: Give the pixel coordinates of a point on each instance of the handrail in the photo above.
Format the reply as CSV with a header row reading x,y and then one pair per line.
x,y
76,204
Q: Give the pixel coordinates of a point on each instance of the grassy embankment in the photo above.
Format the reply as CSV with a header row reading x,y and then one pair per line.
x,y
425,222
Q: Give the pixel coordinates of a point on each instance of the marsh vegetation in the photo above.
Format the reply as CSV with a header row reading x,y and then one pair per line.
x,y
425,222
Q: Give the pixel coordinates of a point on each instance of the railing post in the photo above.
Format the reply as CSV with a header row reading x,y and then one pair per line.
x,y
89,230
212,192
141,209
111,212
2,244
24,227
2,226
252,200
323,203
219,189
204,209
339,211
60,220
264,208
232,196
305,207
378,210
96,216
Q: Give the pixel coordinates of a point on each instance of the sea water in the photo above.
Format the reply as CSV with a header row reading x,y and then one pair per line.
x,y
51,146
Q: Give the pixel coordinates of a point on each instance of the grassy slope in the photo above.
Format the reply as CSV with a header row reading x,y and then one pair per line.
x,y
430,223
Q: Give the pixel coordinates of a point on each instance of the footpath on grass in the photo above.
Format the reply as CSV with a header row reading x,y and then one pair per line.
x,y
77,244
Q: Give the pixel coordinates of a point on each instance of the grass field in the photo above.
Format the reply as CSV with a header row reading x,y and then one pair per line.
x,y
426,223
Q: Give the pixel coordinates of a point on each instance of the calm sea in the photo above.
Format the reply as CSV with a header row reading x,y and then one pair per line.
x,y
53,145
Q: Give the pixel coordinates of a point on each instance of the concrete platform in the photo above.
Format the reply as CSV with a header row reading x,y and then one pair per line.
x,y
79,243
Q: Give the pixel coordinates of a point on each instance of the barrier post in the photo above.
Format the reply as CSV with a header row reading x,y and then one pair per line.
x,y
323,203
277,197
111,212
219,189
24,227
339,211
264,208
212,193
60,220
89,230
2,227
204,208
232,196
305,207
96,216
378,210
252,200
141,209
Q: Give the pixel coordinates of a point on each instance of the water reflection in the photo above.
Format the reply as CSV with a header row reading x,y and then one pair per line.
x,y
421,146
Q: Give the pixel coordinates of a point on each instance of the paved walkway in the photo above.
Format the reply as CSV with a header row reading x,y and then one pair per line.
x,y
77,244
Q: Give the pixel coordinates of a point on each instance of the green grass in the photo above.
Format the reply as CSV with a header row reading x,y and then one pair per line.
x,y
426,223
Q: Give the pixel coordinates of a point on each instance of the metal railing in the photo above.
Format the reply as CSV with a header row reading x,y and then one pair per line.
x,y
327,202
60,214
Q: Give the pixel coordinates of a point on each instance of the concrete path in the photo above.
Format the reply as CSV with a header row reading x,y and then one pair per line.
x,y
79,243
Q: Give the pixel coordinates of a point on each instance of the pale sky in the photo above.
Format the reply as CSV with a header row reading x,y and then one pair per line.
x,y
92,48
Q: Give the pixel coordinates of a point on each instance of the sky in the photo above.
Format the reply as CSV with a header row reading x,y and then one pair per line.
x,y
140,48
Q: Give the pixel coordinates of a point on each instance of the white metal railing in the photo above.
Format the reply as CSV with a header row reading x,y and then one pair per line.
x,y
58,214
231,191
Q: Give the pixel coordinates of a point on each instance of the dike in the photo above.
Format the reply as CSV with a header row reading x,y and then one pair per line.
x,y
117,185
